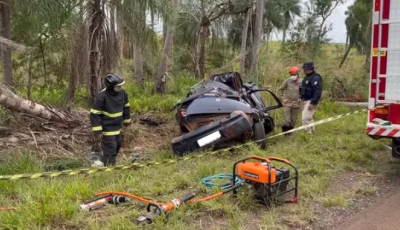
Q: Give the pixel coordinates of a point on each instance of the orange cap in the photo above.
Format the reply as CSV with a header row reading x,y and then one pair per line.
x,y
293,70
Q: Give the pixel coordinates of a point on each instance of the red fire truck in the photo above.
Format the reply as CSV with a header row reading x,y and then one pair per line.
x,y
384,91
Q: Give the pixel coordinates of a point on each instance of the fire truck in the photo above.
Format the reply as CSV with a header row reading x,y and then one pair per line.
x,y
384,91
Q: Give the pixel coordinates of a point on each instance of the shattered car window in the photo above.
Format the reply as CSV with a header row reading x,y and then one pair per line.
x,y
219,88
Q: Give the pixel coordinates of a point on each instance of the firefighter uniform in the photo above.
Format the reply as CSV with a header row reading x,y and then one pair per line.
x,y
290,95
110,111
310,93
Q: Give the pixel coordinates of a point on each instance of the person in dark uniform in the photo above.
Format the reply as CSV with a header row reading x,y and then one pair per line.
x,y
110,111
310,93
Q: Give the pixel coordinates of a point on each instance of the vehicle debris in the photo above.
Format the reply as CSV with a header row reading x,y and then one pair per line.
x,y
222,111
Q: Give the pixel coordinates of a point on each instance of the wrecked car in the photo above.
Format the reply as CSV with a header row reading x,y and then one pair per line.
x,y
220,112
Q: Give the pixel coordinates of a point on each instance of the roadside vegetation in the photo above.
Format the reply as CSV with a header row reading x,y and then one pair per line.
x,y
48,47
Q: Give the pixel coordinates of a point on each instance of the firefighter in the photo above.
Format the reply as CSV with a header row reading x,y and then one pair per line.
x,y
290,95
310,93
109,112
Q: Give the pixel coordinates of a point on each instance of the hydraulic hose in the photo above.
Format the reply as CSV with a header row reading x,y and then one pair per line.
x,y
127,195
208,198
8,209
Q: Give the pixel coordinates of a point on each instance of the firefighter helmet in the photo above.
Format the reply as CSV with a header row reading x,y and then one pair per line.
x,y
293,70
112,80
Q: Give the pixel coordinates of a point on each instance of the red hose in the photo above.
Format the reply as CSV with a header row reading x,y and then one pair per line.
x,y
206,198
8,209
127,195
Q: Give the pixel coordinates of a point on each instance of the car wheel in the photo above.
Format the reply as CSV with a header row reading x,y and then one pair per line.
x,y
259,134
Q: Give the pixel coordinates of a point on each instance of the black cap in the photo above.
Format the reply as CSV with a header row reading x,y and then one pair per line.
x,y
308,66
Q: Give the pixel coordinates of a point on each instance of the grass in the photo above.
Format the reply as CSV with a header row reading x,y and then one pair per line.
x,y
53,203
337,147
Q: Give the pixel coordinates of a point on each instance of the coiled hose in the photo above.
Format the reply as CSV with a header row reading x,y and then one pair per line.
x,y
207,181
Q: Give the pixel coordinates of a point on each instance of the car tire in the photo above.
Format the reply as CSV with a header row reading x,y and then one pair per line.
x,y
259,134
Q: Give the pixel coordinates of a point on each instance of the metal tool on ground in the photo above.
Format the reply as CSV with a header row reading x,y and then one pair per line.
x,y
155,210
101,201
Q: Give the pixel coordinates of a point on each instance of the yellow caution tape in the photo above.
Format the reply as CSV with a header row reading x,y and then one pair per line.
x,y
87,171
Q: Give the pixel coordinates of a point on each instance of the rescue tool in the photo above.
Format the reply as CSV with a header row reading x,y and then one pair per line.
x,y
270,185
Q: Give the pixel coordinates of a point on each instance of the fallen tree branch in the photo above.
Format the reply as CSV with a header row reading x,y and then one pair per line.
x,y
15,46
11,101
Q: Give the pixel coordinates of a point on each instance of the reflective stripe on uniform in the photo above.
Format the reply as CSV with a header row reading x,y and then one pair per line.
x,y
97,128
113,115
105,113
94,111
112,133
127,104
127,121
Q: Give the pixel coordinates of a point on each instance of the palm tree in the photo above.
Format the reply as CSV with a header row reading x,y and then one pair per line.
x,y
273,19
161,79
359,26
7,64
133,16
289,9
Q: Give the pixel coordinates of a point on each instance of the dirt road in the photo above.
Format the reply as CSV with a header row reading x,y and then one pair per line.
x,y
384,214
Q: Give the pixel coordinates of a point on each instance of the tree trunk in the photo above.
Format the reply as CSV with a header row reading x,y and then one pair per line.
x,y
11,101
284,30
72,83
345,56
94,42
250,40
29,84
267,42
258,29
161,79
165,29
5,14
201,49
138,63
152,19
244,41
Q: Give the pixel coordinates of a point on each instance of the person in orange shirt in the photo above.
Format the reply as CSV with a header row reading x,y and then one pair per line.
x,y
289,92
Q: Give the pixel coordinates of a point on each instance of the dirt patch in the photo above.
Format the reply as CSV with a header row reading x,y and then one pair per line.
x,y
362,190
24,133
211,222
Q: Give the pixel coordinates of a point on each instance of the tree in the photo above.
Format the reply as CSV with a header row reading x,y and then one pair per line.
x,y
243,46
258,29
161,78
200,16
310,33
7,63
132,16
359,27
319,11
289,9
94,42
